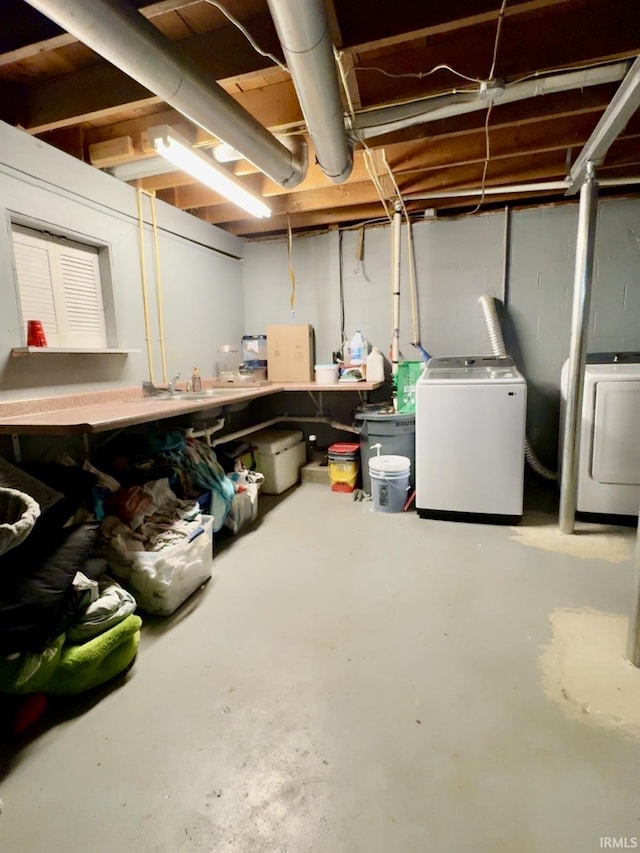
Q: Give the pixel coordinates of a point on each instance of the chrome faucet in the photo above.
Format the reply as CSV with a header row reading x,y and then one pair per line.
x,y
151,390
171,384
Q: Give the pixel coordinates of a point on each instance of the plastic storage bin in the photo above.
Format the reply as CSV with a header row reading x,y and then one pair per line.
x,y
161,580
279,455
254,348
343,466
228,362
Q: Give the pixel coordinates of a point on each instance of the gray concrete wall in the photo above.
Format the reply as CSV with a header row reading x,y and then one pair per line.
x,y
200,273
456,262
268,288
210,297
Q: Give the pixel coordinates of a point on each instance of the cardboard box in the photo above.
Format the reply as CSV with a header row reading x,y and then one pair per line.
x,y
290,353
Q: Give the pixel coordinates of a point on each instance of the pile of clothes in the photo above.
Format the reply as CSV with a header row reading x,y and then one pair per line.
x,y
190,466
154,542
65,625
70,532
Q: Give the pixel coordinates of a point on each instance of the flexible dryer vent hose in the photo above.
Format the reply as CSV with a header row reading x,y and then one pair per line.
x,y
488,306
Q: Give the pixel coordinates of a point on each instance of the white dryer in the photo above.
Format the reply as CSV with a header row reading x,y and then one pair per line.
x,y
609,454
470,430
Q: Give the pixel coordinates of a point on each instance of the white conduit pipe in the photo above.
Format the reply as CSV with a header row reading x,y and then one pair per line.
x,y
286,419
143,279
488,307
395,288
156,257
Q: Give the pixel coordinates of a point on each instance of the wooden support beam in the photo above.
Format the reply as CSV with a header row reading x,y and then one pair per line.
x,y
246,228
104,90
398,21
350,79
516,169
111,153
423,160
49,37
592,100
71,140
601,30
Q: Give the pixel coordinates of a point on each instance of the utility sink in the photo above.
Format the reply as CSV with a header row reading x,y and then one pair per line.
x,y
187,396
207,394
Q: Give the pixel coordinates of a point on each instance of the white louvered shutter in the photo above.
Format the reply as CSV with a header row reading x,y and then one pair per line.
x,y
81,295
33,268
59,284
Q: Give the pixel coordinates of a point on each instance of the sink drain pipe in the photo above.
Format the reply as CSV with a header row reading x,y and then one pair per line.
x,y
488,306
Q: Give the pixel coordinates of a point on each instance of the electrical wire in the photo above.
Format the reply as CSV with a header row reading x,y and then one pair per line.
x,y
419,75
367,155
367,151
247,35
485,166
487,138
497,38
292,274
368,162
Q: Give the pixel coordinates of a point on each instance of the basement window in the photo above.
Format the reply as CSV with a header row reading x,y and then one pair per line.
x,y
59,282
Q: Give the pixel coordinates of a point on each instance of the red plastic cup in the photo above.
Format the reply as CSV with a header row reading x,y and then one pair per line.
x,y
35,334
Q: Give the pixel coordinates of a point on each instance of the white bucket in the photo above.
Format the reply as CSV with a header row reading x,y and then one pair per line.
x,y
389,482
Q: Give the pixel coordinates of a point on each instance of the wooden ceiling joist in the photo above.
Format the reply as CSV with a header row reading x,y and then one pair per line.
x,y
103,89
606,28
54,86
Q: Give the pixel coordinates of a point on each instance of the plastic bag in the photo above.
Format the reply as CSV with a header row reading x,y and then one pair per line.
x,y
244,507
408,374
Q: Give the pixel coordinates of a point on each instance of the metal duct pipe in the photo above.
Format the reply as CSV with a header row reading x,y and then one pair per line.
x,y
375,122
303,30
120,34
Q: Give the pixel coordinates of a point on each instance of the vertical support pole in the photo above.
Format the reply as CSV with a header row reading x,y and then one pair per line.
x,y
633,632
395,287
582,281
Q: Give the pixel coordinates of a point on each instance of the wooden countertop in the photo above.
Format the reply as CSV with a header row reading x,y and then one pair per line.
x,y
100,411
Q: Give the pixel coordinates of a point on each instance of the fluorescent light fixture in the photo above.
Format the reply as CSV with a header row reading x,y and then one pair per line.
x,y
178,151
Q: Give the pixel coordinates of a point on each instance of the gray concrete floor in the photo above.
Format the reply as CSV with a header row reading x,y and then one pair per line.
x,y
348,681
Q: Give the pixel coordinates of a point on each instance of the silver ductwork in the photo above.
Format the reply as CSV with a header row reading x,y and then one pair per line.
x,y
303,30
378,121
120,34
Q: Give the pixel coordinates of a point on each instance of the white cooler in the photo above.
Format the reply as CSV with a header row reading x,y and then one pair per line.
x,y
279,455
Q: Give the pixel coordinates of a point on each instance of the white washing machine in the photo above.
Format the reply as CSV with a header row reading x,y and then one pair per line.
x,y
470,429
609,455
